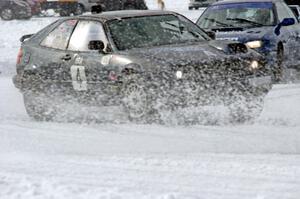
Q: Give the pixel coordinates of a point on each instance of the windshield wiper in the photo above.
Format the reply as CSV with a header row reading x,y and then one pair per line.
x,y
245,20
219,22
182,28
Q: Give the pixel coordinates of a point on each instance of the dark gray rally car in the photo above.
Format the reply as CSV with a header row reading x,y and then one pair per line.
x,y
143,61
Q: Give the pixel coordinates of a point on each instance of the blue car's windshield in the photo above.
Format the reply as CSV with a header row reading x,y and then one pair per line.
x,y
242,15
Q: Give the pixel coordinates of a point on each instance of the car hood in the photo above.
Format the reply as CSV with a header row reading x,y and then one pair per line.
x,y
179,54
244,35
206,57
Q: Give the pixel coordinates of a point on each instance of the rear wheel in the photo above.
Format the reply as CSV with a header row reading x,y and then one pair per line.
x,y
7,14
38,106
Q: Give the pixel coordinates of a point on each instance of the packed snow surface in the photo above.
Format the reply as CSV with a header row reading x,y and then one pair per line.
x,y
47,160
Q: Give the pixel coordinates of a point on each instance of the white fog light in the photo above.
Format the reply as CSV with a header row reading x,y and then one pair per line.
x,y
179,74
254,65
254,44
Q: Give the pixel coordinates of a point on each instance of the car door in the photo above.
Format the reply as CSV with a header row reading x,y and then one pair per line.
x,y
290,35
89,70
51,60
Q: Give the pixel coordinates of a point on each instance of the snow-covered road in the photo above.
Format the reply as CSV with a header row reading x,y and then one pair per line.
x,y
109,160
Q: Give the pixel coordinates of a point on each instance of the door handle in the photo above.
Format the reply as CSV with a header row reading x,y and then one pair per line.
x,y
67,57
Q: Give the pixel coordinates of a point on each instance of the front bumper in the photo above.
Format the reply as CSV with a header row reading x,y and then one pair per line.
x,y
217,91
259,82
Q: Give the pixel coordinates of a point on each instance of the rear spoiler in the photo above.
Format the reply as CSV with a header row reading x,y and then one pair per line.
x,y
25,37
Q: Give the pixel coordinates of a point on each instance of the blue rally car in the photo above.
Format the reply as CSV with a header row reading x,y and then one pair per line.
x,y
267,26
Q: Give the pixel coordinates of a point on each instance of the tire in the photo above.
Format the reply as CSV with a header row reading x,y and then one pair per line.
x,y
190,8
38,106
245,109
136,101
64,13
279,70
7,14
79,10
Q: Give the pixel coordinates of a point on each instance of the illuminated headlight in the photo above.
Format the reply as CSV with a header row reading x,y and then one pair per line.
x,y
254,65
254,44
179,74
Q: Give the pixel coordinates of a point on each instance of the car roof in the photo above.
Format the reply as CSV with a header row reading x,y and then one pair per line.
x,y
111,15
245,1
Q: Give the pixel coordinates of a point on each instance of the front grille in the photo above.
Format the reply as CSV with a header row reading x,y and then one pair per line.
x,y
203,82
214,70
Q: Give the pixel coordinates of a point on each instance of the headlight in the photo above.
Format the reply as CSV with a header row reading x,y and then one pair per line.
x,y
254,65
254,44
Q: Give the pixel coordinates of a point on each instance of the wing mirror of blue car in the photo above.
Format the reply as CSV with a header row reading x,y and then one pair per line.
x,y
288,22
284,22
96,45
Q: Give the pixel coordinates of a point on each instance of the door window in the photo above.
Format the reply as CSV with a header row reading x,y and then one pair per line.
x,y
59,37
85,32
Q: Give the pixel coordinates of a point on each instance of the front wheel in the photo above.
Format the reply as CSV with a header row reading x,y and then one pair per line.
x,y
136,100
246,108
279,70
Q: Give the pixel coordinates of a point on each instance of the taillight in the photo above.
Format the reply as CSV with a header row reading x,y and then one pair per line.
x,y
20,55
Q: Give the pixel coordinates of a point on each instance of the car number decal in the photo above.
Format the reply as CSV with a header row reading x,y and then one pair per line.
x,y
79,81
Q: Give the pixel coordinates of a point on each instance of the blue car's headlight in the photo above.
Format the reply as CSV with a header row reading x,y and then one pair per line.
x,y
254,44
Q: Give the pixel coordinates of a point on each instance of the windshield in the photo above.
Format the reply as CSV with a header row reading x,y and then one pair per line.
x,y
153,31
242,15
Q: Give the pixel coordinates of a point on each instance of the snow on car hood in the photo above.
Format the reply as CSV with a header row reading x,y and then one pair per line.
x,y
244,35
177,54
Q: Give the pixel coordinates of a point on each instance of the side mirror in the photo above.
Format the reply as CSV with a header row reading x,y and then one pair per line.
x,y
285,22
25,37
288,22
96,45
211,34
